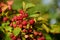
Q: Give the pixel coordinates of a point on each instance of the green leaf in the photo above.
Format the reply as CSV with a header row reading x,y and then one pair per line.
x,y
53,15
45,28
7,36
48,37
23,38
8,28
34,15
1,29
55,29
31,11
38,8
29,5
3,24
17,4
16,31
7,23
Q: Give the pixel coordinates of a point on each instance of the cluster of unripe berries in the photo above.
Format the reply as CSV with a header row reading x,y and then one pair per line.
x,y
21,21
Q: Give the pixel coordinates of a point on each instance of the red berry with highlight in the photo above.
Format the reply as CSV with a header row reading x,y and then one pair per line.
x,y
25,15
35,33
42,38
39,38
12,19
24,30
31,21
21,12
15,18
30,30
40,34
24,26
24,23
14,38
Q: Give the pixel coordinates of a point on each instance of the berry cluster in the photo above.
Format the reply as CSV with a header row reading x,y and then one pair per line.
x,y
21,21
28,36
26,26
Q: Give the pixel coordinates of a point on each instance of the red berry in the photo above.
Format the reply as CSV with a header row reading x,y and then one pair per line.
x,y
25,15
35,33
17,22
9,7
30,30
11,24
14,38
39,38
19,17
20,21
14,25
5,19
31,21
20,26
24,26
21,12
40,33
42,38
11,35
24,30
24,23
15,18
12,20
